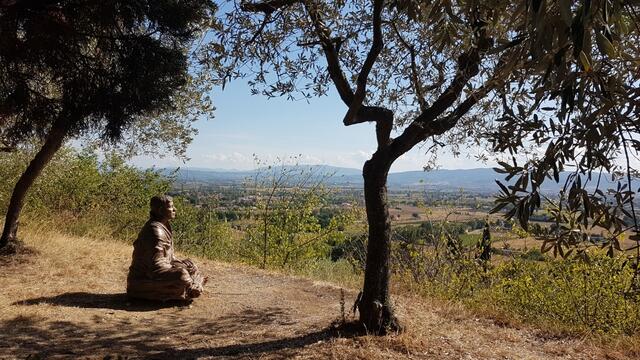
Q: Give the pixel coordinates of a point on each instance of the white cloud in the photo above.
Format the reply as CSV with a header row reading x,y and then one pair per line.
x,y
244,160
233,157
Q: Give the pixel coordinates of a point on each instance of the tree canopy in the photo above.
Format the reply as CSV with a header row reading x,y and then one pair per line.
x,y
576,111
71,68
94,65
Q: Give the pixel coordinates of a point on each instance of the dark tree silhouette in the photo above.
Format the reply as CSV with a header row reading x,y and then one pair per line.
x,y
71,67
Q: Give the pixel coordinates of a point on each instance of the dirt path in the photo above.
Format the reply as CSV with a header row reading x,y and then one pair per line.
x,y
67,302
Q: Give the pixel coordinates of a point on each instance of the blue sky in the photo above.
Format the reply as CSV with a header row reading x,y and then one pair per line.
x,y
245,125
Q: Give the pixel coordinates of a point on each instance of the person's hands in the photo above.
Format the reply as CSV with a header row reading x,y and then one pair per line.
x,y
188,263
190,266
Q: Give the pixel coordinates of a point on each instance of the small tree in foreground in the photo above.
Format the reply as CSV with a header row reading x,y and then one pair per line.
x,y
447,71
69,68
287,231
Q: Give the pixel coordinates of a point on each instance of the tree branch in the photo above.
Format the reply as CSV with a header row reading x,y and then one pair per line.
x,y
443,124
331,54
372,56
267,7
468,67
414,69
425,124
356,113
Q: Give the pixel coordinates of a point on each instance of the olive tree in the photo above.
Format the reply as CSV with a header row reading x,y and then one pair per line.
x,y
71,68
577,111
442,72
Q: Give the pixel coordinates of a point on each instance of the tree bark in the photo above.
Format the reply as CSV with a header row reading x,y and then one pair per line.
x,y
376,313
52,144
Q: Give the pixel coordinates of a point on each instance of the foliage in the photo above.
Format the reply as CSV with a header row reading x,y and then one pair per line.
x,y
72,68
85,195
577,111
534,255
92,64
199,231
287,229
353,250
160,132
591,296
585,295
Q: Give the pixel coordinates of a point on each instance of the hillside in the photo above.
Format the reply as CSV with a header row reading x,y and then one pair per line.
x,y
480,180
66,300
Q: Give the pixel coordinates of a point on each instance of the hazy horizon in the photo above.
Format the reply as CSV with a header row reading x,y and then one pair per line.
x,y
199,168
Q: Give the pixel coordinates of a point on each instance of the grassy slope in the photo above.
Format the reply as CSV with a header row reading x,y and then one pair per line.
x,y
67,301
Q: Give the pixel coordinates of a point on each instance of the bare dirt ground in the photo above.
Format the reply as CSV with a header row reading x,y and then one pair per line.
x,y
67,301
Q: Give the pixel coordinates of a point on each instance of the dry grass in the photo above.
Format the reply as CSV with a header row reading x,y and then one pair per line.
x,y
67,301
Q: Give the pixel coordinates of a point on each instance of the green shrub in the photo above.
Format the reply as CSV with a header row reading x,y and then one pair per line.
x,y
199,231
534,255
589,295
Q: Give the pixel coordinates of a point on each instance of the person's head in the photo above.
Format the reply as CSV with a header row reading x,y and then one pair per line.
x,y
162,208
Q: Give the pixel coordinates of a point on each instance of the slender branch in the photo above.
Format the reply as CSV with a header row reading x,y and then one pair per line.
x,y
468,67
267,7
376,47
414,69
443,124
265,21
429,123
356,113
441,78
331,54
425,125
336,40
631,198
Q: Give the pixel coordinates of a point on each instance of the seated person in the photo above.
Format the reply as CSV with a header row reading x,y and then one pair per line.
x,y
155,273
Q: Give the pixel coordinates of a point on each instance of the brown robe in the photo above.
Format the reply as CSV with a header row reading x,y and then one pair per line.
x,y
155,273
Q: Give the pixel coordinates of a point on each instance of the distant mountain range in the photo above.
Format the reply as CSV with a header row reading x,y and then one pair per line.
x,y
481,180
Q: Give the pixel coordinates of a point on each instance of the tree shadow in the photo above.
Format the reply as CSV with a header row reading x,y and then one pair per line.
x,y
284,348
172,334
257,348
103,301
16,254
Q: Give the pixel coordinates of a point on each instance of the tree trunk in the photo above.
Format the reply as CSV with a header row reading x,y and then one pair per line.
x,y
52,144
375,308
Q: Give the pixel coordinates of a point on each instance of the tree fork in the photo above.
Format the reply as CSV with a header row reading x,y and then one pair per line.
x,y
52,144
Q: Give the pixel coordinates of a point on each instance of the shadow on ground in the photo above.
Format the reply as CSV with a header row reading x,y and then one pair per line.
x,y
102,301
171,334
16,254
280,346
